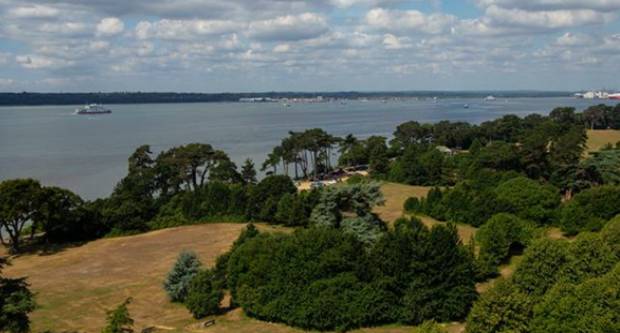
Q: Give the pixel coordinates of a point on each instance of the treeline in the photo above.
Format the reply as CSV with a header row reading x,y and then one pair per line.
x,y
31,98
183,185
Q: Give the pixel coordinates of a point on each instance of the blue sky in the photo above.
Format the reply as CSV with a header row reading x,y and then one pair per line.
x,y
324,45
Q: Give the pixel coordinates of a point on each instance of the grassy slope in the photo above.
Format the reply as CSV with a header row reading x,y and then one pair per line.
x,y
75,286
597,139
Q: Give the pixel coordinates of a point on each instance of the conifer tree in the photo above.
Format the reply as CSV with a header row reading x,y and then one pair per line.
x,y
179,278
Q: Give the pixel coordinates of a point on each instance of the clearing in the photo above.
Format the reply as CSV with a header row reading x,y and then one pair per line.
x,y
597,139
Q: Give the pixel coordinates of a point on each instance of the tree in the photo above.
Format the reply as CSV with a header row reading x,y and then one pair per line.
x,y
248,172
264,197
204,295
18,205
178,279
541,266
611,235
60,215
16,302
528,199
119,320
504,308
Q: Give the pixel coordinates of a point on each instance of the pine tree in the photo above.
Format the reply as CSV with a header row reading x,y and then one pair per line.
x,y
248,172
119,320
16,301
179,278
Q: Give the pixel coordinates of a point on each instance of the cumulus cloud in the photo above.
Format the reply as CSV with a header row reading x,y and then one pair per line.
x,y
409,20
546,19
40,62
110,26
546,5
287,28
34,11
184,29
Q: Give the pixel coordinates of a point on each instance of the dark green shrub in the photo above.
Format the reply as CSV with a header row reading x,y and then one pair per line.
x,y
611,235
504,308
204,295
589,209
588,256
528,199
541,266
413,205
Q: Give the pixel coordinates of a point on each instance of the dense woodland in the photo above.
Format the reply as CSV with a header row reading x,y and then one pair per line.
x,y
344,267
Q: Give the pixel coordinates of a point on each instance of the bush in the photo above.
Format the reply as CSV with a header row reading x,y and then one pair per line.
x,y
589,209
541,266
323,278
204,295
430,327
178,280
498,236
413,205
592,306
611,235
588,256
119,320
502,309
528,199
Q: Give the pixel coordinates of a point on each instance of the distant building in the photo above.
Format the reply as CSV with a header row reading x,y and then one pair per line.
x,y
445,150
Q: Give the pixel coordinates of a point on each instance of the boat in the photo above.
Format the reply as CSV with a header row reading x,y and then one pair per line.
x,y
615,96
93,109
466,106
490,98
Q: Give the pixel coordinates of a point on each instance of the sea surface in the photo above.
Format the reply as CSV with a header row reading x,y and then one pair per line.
x,y
88,154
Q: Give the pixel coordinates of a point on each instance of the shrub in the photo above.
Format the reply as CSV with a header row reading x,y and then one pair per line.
x,y
592,306
119,320
430,327
204,295
179,278
413,205
498,236
611,235
541,266
588,256
528,199
504,308
588,210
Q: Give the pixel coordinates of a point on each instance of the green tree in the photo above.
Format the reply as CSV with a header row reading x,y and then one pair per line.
x,y
60,215
178,279
19,200
119,320
248,172
204,295
16,302
611,235
541,266
528,199
504,308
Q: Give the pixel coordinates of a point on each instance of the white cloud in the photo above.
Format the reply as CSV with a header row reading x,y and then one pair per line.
x,y
392,42
110,26
6,82
289,28
575,40
282,48
545,5
40,62
409,21
34,11
185,29
546,19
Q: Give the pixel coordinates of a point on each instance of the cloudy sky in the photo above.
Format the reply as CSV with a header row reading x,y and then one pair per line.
x,y
326,45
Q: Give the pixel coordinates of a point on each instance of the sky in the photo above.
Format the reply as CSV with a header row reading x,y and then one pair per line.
x,y
318,45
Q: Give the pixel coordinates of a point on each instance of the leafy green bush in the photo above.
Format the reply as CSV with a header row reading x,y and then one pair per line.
x,y
588,256
324,278
178,279
498,236
611,235
589,209
528,199
541,266
504,308
413,205
204,295
592,306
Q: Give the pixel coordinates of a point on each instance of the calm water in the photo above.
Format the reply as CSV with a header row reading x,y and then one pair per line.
x,y
88,154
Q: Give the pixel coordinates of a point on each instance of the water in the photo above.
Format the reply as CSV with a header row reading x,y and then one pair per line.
x,y
88,154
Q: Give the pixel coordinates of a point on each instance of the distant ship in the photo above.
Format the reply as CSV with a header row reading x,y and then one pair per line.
x,y
92,109
490,98
466,106
614,96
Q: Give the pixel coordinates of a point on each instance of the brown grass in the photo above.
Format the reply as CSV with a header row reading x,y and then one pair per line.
x,y
597,139
395,196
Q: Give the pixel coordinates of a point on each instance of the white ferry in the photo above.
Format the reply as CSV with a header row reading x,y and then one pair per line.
x,y
93,109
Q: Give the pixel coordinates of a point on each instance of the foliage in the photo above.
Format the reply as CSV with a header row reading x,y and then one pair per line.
x,y
179,278
322,278
248,172
541,266
18,205
528,199
611,235
498,236
504,308
430,327
591,306
589,209
263,198
588,256
119,320
16,302
204,294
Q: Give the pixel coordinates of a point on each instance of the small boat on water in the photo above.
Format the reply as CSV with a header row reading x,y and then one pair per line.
x,y
490,98
93,109
614,96
466,106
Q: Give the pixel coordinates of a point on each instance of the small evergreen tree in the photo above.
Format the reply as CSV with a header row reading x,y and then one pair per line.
x,y
16,301
179,278
204,295
119,320
248,172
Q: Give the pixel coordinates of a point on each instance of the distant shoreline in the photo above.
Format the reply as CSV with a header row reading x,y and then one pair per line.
x,y
42,99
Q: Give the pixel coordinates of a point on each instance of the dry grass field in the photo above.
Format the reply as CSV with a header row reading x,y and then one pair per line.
x,y
597,139
75,286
